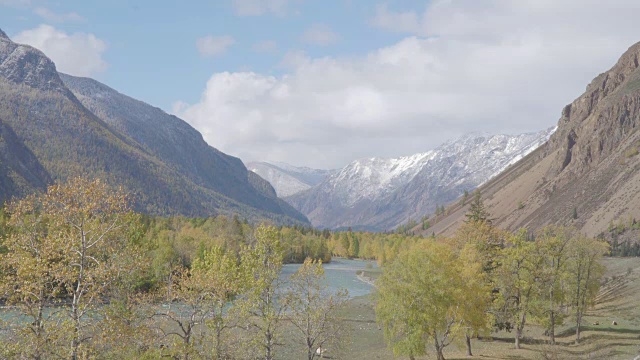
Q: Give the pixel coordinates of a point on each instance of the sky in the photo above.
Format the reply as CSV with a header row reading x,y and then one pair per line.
x,y
320,83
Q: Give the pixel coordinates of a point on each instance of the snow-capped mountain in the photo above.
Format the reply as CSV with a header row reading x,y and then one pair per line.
x,y
380,194
287,179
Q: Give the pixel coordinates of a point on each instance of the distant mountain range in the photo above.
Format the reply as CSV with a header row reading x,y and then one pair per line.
x,y
379,194
586,175
55,126
287,179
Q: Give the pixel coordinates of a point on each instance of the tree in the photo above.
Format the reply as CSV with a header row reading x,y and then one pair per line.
x,y
89,217
552,244
312,309
478,246
32,261
477,211
203,294
354,250
220,274
517,282
419,298
69,241
586,273
261,264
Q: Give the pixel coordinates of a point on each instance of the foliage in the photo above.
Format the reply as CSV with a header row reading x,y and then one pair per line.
x,y
312,309
420,296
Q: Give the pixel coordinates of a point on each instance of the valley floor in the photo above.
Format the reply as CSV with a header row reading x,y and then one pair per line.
x,y
619,301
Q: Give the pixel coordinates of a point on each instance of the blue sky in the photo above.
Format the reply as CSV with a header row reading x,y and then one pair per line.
x,y
151,45
323,82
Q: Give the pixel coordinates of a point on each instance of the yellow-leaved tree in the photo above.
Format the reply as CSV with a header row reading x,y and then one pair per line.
x,y
424,299
69,244
313,309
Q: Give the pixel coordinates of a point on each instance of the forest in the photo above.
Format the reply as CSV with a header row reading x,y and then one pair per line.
x,y
83,276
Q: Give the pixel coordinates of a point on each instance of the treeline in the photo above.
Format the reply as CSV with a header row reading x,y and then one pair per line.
x,y
83,277
484,279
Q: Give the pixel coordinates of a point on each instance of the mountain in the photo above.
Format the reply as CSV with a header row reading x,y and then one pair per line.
x,y
587,175
79,127
287,179
20,171
380,194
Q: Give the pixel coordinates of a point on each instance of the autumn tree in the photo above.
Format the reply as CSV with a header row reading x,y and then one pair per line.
x,y
517,282
477,246
552,246
419,300
585,271
261,266
30,267
312,309
219,272
71,242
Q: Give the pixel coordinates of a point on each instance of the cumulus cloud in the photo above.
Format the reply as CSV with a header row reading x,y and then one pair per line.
x,y
79,54
210,46
56,17
261,7
319,34
407,21
469,65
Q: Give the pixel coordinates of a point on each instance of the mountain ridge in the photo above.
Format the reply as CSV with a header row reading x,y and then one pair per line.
x,y
70,140
588,174
379,194
287,179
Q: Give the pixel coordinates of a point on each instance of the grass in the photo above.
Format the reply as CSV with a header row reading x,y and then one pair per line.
x,y
619,301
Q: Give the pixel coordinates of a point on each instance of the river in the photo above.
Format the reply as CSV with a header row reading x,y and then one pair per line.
x,y
341,273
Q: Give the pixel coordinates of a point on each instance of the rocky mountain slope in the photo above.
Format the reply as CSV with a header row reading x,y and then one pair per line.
x,y
287,179
380,194
587,174
20,171
95,131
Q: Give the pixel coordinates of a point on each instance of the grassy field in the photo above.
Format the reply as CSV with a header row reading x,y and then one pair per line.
x,y
619,301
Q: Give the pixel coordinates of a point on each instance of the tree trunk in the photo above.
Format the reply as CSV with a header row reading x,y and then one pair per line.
x,y
552,330
269,338
519,328
439,348
578,329
469,353
75,342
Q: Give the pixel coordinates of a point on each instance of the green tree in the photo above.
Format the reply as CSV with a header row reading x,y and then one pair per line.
x,y
261,264
354,250
552,245
586,273
313,310
477,210
419,298
517,282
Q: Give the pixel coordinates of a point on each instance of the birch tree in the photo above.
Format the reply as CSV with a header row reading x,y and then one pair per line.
x,y
313,309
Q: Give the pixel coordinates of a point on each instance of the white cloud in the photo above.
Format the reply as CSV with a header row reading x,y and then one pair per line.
x,y
261,7
211,46
76,54
404,22
319,34
59,18
496,66
267,46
